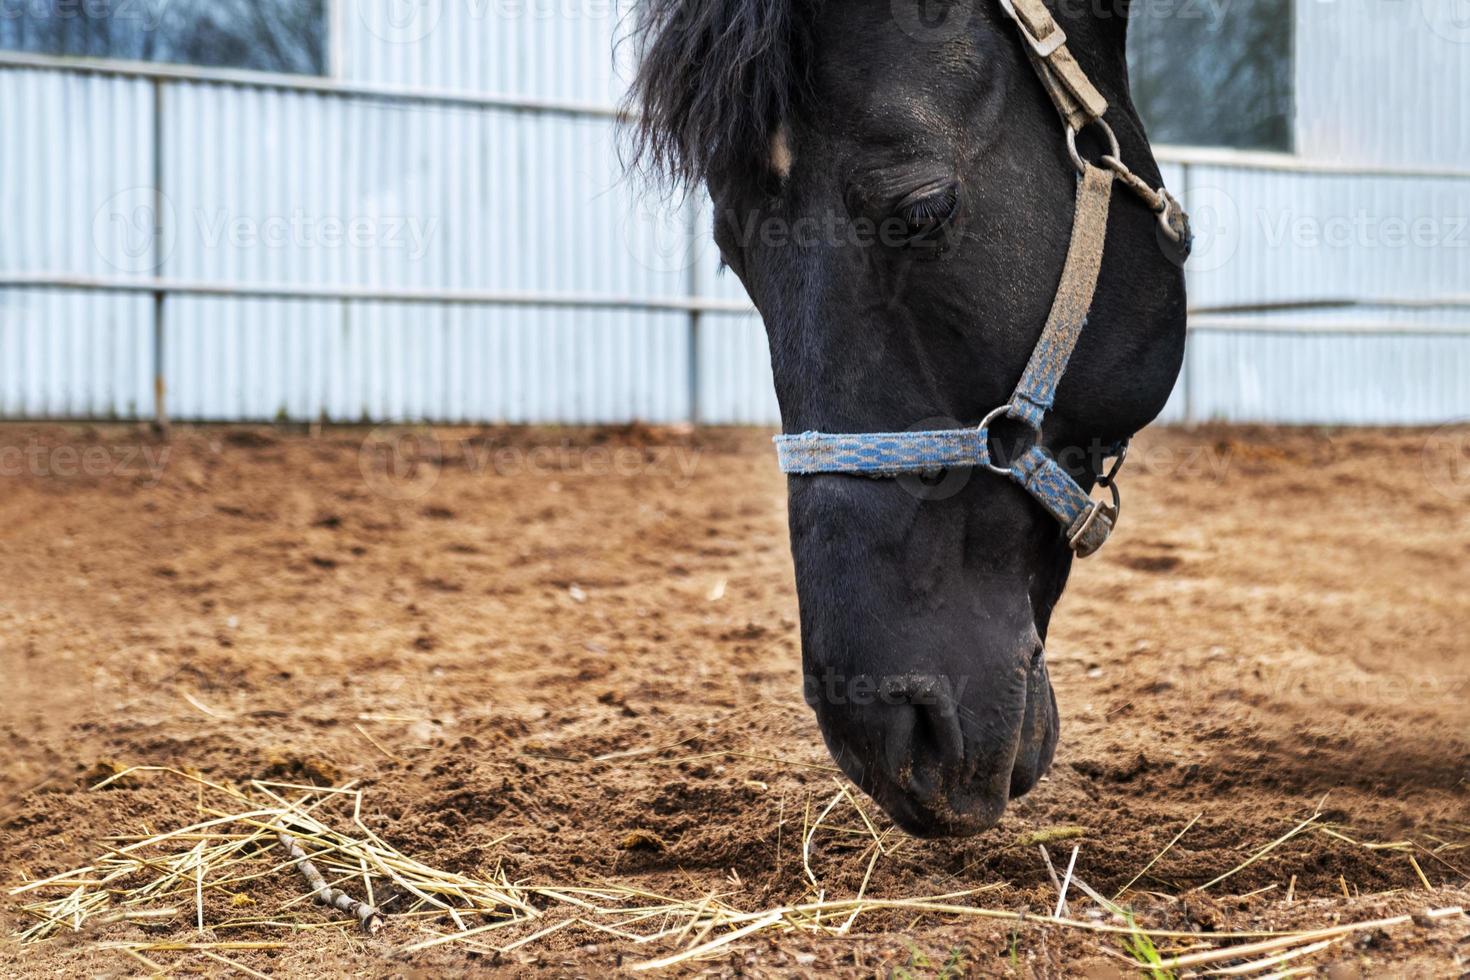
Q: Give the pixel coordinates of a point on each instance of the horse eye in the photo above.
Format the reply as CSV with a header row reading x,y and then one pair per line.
x,y
928,212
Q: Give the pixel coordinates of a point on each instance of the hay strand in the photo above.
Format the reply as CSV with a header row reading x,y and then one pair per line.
x,y
1066,883
1159,857
1263,852
255,833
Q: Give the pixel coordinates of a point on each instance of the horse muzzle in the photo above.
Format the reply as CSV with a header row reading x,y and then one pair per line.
x,y
943,755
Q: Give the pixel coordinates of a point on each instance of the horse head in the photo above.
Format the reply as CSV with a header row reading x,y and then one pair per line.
x,y
893,187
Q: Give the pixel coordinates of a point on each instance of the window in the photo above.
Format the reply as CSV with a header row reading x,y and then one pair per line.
x,y
1208,73
265,35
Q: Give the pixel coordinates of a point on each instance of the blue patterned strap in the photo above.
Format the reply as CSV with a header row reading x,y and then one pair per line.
x,y
1037,391
882,454
1087,522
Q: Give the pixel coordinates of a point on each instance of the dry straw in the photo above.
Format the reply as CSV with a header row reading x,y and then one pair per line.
x,y
266,832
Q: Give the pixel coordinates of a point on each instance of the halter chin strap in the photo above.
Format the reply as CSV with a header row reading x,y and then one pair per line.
x,y
1086,523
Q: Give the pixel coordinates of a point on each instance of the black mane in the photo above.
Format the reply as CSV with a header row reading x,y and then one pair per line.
x,y
715,79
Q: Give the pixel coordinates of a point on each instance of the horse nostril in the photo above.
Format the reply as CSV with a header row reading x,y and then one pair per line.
x,y
937,729
898,742
924,746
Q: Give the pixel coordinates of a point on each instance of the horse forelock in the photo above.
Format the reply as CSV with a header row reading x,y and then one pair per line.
x,y
716,80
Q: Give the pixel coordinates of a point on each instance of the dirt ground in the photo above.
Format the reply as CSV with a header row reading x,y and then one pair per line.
x,y
1281,626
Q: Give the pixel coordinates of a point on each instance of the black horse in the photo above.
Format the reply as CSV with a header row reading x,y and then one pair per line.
x,y
893,188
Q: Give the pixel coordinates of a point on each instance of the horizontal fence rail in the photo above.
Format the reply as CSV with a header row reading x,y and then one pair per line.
x,y
680,342
367,294
407,95
1224,324
1205,317
1340,303
452,98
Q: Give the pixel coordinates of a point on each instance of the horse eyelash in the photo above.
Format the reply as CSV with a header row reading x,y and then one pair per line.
x,y
940,206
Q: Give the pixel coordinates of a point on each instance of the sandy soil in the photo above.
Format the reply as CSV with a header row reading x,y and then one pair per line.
x,y
1280,625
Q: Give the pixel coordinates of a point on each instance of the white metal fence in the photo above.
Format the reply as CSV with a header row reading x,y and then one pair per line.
x,y
275,247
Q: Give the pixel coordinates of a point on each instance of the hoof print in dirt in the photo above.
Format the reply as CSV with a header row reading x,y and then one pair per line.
x,y
287,767
643,840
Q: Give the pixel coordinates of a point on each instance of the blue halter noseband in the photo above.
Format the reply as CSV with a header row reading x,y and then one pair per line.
x,y
1086,522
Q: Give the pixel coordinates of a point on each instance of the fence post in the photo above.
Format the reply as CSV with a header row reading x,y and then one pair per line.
x,y
160,204
692,232
1186,378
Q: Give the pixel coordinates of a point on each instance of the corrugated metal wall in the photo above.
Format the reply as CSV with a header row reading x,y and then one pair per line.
x,y
1383,81
547,49
1282,236
443,199
1274,236
1326,378
263,184
68,353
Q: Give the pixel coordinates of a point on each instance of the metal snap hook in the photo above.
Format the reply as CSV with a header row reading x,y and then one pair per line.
x,y
1108,479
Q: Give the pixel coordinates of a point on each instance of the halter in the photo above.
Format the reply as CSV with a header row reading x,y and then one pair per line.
x,y
1086,522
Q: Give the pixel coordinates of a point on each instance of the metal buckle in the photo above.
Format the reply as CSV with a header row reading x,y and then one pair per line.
x,y
1098,509
1044,47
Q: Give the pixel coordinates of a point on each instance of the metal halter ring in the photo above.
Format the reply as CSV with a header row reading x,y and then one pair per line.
x,y
985,428
1114,151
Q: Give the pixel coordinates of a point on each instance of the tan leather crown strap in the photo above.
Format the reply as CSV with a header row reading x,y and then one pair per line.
x,y
1076,98
1081,104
